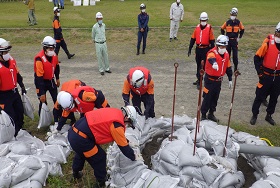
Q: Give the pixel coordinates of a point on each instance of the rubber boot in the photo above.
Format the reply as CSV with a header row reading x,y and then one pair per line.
x,y
195,83
253,119
70,55
77,175
99,184
203,117
138,51
269,119
143,51
212,117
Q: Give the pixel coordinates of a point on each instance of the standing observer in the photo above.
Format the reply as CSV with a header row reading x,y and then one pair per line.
x,y
204,39
99,38
216,66
143,28
267,64
100,127
234,30
31,12
176,16
140,86
10,100
58,34
46,74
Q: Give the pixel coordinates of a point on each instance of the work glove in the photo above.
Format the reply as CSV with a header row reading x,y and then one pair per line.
x,y
57,82
133,144
230,84
215,66
189,52
23,90
138,157
238,39
43,98
55,132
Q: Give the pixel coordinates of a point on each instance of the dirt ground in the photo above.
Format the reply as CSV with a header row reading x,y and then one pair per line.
x,y
160,61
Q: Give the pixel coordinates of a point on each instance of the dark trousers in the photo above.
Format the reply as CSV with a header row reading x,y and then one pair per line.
x,y
148,101
142,35
52,88
233,45
211,93
200,54
81,145
13,107
63,44
268,85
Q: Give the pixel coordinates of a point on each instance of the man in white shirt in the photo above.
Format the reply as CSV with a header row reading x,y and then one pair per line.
x,y
176,16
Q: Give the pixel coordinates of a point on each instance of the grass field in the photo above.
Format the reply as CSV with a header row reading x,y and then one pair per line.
x,y
77,23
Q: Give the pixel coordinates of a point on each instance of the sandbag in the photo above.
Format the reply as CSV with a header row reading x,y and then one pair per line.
x,y
4,149
7,128
5,180
45,116
21,148
27,106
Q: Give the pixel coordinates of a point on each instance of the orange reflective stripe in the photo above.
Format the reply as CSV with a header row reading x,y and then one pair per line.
x,y
91,152
79,132
259,85
104,104
205,90
2,106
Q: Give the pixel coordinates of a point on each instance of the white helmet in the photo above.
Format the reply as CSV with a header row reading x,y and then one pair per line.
x,y
222,40
137,78
4,45
234,11
142,6
98,15
66,100
131,114
277,29
48,42
56,9
203,16
59,95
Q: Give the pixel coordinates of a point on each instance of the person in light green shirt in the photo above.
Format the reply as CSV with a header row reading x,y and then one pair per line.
x,y
99,38
31,12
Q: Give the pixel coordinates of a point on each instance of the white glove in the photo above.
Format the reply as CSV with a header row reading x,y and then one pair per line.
x,y
138,157
238,39
230,84
215,66
133,144
55,131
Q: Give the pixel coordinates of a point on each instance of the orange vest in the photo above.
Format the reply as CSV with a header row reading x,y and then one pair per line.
x,y
272,57
100,121
202,36
70,85
49,67
8,76
144,87
82,106
222,63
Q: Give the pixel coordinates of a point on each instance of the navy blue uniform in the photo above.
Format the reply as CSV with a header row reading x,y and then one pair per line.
x,y
143,19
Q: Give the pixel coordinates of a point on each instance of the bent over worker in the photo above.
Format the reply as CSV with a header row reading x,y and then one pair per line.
x,y
99,127
267,64
216,66
10,100
234,30
140,86
81,99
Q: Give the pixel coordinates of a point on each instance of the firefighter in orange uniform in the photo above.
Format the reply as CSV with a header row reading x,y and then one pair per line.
x,y
267,64
233,27
216,66
140,85
10,100
46,67
99,127
204,39
81,99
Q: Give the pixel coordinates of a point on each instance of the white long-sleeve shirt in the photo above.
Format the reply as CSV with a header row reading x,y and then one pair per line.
x,y
176,12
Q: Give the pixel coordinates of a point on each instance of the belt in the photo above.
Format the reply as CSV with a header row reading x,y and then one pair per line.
x,y
216,80
79,132
100,42
201,46
271,74
232,38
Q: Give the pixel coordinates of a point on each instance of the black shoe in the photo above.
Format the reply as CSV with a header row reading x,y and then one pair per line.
x,y
99,184
195,83
212,117
265,103
102,73
143,52
175,38
253,119
108,71
70,56
170,40
62,7
269,119
198,86
137,53
77,175
203,117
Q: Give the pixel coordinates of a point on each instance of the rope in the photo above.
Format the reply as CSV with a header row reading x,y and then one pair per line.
x,y
267,141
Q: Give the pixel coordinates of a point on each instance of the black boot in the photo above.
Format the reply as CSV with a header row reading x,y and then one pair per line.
x,y
77,175
138,52
143,51
198,85
203,117
253,119
70,55
99,184
269,119
195,83
212,117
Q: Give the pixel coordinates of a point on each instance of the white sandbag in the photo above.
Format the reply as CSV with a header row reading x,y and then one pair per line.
x,y
171,151
85,2
31,162
261,184
7,128
241,137
23,184
54,169
5,180
57,140
186,157
92,2
77,3
227,163
45,116
27,106
275,179
35,184
20,148
20,173
6,165
35,143
4,149
57,152
232,179
40,175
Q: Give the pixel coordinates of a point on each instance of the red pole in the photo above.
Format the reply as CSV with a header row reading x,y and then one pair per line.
x,y
176,65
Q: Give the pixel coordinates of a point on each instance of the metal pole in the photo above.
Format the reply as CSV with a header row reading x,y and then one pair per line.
x,y
236,73
198,105
176,65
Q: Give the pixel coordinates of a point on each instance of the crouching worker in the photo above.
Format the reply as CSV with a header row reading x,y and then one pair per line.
x,y
99,127
82,99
